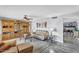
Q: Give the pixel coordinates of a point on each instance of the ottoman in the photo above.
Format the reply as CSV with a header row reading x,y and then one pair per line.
x,y
25,48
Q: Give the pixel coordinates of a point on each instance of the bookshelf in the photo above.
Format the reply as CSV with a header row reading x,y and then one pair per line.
x,y
12,28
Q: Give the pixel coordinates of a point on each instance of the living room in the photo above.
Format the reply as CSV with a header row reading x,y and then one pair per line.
x,y
33,29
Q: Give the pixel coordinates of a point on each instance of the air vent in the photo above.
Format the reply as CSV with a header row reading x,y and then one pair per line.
x,y
54,17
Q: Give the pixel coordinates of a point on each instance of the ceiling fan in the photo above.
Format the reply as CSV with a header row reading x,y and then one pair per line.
x,y
27,17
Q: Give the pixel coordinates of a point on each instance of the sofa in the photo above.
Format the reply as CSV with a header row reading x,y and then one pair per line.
x,y
41,34
21,48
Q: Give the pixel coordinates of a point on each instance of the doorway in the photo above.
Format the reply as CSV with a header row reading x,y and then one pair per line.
x,y
70,31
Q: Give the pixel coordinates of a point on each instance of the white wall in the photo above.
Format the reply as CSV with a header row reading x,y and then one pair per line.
x,y
51,24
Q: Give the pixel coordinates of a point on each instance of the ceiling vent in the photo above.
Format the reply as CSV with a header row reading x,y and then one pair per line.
x,y
54,17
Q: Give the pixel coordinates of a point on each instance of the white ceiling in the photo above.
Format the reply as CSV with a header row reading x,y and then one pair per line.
x,y
36,10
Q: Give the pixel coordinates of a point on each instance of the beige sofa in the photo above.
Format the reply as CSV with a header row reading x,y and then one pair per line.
x,y
21,48
41,34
